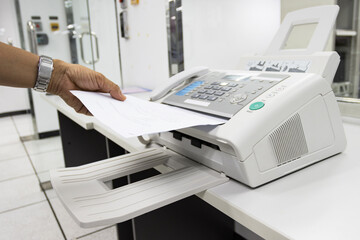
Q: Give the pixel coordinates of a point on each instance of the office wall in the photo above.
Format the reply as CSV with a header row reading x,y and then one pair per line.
x,y
217,33
11,99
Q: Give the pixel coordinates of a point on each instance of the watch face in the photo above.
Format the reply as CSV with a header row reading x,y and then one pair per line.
x,y
44,73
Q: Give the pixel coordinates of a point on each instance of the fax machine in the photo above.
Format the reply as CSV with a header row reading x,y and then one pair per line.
x,y
282,116
282,112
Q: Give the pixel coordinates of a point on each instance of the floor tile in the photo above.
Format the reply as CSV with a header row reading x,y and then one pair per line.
x,y
31,222
5,120
47,160
24,124
70,227
7,126
14,168
7,139
22,119
44,176
106,234
13,150
25,130
20,192
51,194
43,145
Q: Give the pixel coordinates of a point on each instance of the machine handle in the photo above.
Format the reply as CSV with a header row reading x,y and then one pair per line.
x,y
31,29
92,34
97,47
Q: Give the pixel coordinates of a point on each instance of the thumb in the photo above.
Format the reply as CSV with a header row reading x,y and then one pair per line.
x,y
116,93
107,86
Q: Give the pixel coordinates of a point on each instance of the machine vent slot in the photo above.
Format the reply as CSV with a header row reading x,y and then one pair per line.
x,y
289,141
194,141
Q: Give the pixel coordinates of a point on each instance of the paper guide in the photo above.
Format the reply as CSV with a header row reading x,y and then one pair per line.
x,y
136,117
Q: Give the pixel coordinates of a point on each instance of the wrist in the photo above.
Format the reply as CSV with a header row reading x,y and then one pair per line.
x,y
58,73
45,68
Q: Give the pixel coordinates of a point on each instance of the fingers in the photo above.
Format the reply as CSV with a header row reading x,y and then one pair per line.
x,y
107,86
117,94
77,77
76,104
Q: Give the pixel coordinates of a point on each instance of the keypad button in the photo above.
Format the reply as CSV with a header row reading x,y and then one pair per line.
x,y
216,88
202,91
208,87
195,96
226,88
215,83
218,93
239,98
203,97
212,98
210,92
272,94
224,84
232,84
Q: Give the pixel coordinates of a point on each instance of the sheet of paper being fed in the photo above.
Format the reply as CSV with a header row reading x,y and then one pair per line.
x,y
135,117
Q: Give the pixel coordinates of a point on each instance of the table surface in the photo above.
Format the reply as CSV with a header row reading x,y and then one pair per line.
x,y
321,201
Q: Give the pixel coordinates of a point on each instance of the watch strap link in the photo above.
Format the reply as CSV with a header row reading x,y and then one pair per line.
x,y
45,69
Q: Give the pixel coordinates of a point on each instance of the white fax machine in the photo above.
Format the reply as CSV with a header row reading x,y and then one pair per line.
x,y
282,113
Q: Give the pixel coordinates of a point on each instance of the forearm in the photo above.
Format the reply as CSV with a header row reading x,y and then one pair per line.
x,y
18,68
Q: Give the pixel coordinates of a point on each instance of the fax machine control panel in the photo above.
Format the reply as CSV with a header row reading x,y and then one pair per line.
x,y
221,94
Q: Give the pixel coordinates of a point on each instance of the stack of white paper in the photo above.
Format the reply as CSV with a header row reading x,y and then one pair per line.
x,y
135,117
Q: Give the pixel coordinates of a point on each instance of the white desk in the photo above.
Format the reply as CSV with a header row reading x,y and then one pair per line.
x,y
89,122
319,202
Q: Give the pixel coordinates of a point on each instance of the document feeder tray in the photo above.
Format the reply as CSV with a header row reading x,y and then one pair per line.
x,y
91,203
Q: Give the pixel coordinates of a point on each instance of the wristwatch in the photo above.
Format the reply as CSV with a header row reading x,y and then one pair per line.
x,y
44,73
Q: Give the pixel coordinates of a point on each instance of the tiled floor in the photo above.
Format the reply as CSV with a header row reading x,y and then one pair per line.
x,y
26,211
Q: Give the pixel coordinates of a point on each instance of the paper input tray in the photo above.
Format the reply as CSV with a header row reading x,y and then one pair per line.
x,y
91,203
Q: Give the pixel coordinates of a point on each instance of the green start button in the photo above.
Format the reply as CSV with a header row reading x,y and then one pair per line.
x,y
256,105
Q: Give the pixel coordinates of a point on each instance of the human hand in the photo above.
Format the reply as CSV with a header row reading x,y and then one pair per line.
x,y
66,77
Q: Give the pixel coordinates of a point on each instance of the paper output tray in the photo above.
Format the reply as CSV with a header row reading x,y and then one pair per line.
x,y
91,203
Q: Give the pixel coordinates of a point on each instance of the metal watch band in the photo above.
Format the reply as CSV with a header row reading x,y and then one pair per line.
x,y
44,73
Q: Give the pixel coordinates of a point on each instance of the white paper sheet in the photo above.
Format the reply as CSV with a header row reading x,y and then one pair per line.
x,y
136,117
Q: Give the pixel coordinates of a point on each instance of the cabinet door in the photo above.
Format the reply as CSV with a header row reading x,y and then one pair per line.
x,y
11,99
103,24
52,39
82,39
